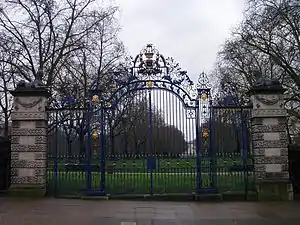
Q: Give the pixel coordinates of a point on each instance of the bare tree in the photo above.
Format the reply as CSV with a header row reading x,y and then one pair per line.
x,y
47,32
268,41
8,79
272,27
90,68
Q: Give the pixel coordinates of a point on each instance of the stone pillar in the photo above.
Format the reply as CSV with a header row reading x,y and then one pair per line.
x,y
29,141
270,142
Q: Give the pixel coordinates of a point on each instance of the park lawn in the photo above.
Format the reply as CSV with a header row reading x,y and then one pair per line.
x,y
74,183
162,164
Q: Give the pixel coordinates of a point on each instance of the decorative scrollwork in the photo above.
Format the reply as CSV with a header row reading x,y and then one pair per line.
x,y
184,95
191,114
203,82
204,97
268,99
152,71
151,65
30,104
149,62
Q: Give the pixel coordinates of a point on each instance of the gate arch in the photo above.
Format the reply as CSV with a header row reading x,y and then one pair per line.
x,y
164,117
183,95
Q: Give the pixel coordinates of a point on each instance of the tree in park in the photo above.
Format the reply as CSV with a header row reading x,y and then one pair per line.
x,y
265,45
133,134
8,81
41,39
169,140
47,32
128,121
90,68
226,136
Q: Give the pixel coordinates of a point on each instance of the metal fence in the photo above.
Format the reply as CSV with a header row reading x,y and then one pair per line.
x,y
77,167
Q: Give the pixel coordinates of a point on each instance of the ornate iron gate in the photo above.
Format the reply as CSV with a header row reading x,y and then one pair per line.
x,y
148,140
153,132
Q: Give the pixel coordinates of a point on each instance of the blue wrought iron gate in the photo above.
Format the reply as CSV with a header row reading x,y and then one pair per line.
x,y
148,139
153,132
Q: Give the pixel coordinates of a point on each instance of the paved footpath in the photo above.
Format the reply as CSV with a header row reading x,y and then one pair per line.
x,y
88,212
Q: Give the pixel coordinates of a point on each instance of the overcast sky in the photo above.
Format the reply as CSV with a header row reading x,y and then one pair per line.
x,y
189,30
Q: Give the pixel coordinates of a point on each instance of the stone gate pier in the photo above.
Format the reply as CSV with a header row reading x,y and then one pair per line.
x,y
29,141
270,142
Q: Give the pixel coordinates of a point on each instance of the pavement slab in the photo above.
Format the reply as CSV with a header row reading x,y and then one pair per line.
x,y
51,211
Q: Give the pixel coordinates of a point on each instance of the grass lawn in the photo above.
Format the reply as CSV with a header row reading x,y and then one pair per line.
x,y
162,164
139,183
130,176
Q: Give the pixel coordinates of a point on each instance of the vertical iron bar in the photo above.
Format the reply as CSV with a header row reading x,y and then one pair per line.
x,y
213,167
198,159
56,155
88,150
150,142
102,150
244,152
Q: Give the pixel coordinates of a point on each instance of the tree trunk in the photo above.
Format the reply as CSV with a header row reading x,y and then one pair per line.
x,y
6,125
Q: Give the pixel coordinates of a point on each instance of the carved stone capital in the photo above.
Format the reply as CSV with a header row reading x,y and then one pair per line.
x,y
262,151
268,128
29,148
28,104
36,171
36,140
268,99
29,132
259,168
277,176
270,144
29,116
36,155
269,113
271,159
28,180
28,164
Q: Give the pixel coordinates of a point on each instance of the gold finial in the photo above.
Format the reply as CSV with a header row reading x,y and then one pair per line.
x,y
95,99
94,135
149,84
203,96
205,133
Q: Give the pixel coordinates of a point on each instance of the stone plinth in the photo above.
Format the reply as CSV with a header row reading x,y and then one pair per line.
x,y
29,142
270,142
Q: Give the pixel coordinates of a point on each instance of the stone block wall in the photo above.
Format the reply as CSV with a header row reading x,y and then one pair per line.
x,y
270,145
29,142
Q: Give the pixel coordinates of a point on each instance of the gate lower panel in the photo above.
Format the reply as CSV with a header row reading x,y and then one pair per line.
x,y
77,167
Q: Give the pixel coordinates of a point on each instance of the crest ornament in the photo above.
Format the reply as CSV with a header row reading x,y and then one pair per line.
x,y
30,104
268,99
150,70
